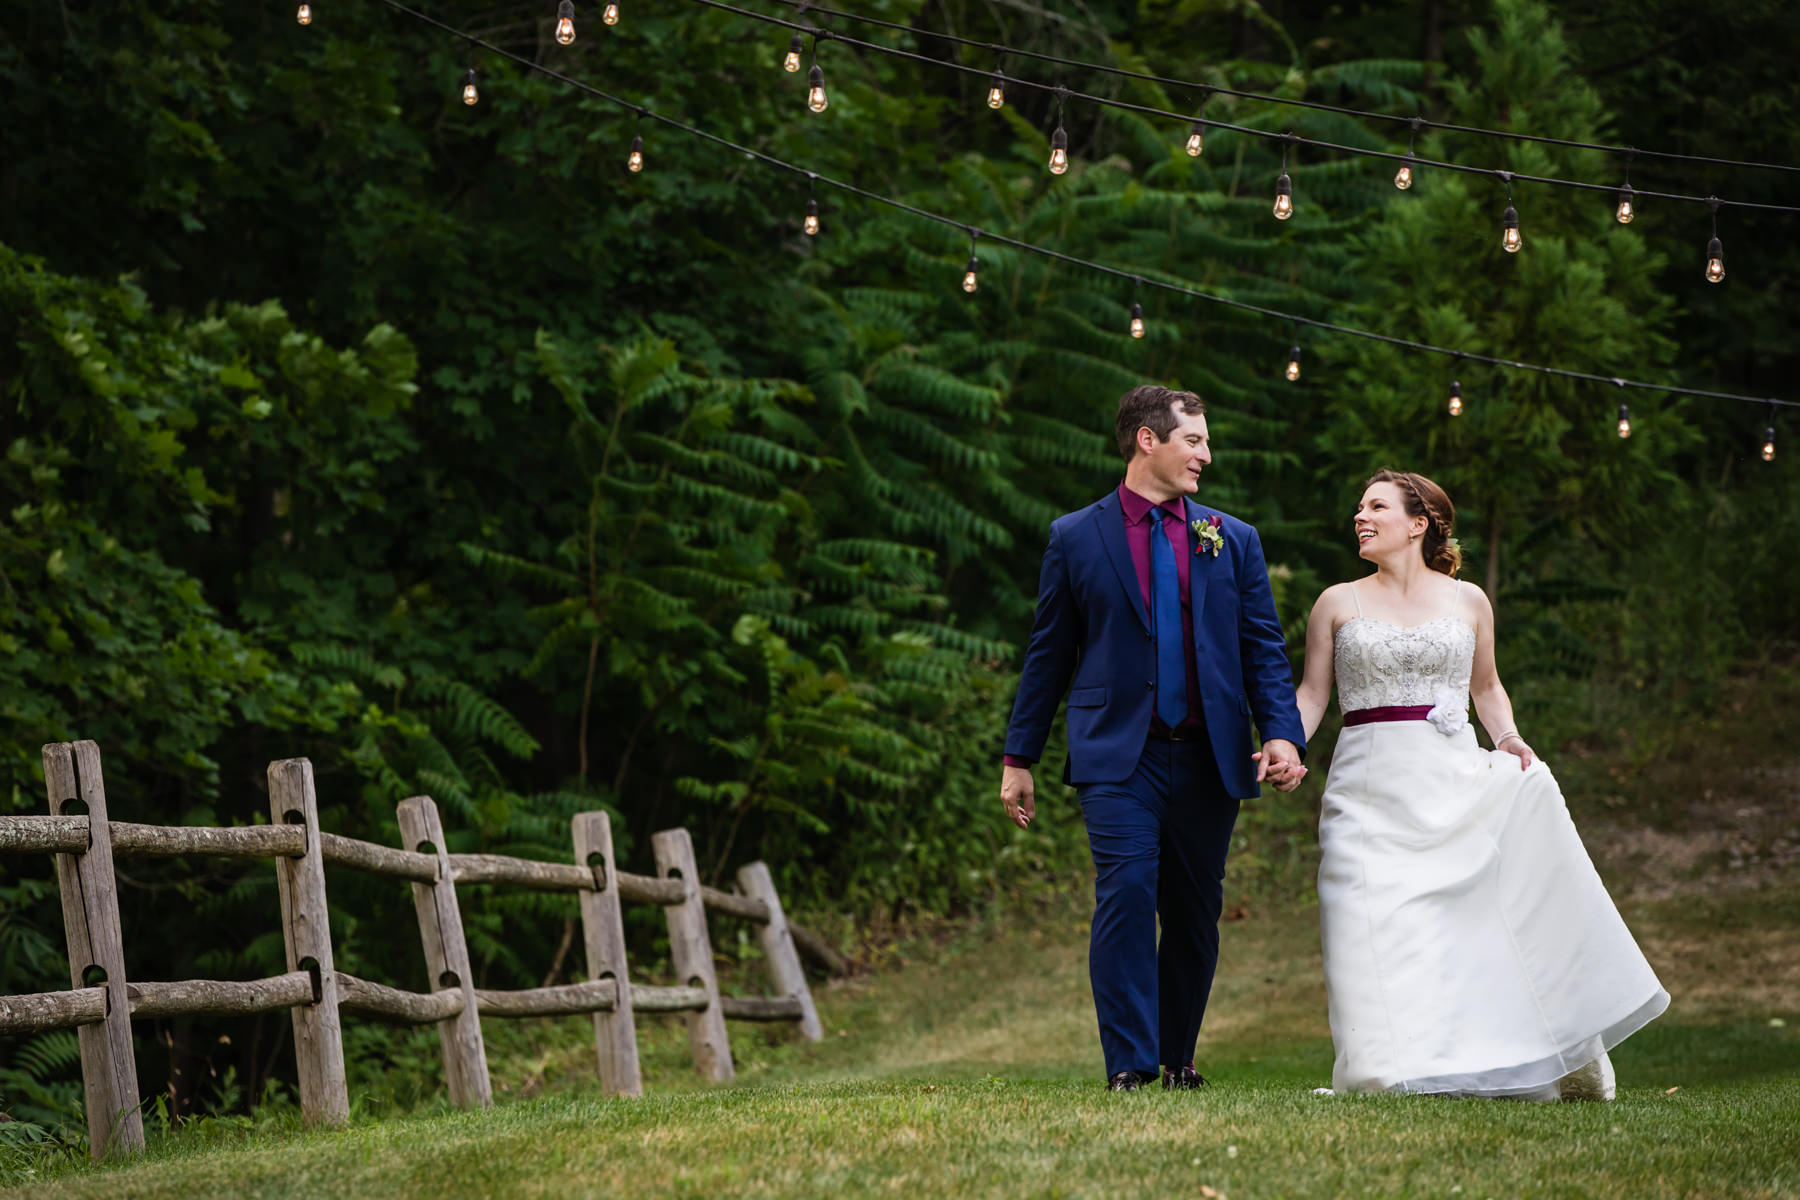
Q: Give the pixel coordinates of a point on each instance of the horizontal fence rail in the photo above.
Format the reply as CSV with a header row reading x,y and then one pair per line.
x,y
69,835
102,1002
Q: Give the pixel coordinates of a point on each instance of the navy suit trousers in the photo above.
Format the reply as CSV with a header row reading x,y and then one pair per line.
x,y
1159,841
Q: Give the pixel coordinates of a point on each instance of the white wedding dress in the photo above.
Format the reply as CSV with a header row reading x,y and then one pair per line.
x,y
1470,947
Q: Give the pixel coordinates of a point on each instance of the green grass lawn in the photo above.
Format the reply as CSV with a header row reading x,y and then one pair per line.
x,y
977,1072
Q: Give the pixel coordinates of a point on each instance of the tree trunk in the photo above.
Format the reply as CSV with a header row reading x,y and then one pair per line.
x,y
1431,41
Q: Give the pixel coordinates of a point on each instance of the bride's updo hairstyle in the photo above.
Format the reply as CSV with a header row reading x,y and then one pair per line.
x,y
1426,499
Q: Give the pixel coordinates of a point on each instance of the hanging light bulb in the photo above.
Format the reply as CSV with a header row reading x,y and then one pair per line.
x,y
1768,450
470,95
304,14
1509,230
815,89
1059,150
1715,261
610,15
1293,367
1455,406
791,64
811,225
1284,197
635,162
970,283
1196,138
1625,211
1403,178
997,90
1624,421
565,22
1137,319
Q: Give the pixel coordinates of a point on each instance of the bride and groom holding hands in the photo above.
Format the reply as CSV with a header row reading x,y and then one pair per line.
x,y
1469,946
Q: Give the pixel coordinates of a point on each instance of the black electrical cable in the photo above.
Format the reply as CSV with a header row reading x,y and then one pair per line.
x,y
998,48
1057,255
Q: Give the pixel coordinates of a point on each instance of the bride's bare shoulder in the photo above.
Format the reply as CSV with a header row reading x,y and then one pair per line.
x,y
1335,604
1473,600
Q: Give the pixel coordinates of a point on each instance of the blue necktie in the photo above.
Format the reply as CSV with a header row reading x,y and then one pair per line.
x,y
1165,614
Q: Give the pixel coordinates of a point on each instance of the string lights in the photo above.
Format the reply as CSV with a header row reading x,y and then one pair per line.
x,y
1768,450
802,6
997,89
1145,110
1509,220
1196,139
1715,250
810,226
1284,197
635,161
610,15
471,96
1059,141
1293,364
1624,212
791,64
970,280
1137,310
565,22
1624,421
304,14
815,82
1455,406
1403,178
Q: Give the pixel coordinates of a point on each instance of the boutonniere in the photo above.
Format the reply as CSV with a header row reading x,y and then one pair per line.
x,y
1207,534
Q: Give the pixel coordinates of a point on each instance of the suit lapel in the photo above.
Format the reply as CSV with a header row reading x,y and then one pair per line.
x,y
1200,566
1112,536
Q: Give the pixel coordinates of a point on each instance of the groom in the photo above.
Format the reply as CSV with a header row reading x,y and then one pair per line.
x,y
1160,611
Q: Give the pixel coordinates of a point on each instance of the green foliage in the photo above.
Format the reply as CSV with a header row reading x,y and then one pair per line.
x,y
339,419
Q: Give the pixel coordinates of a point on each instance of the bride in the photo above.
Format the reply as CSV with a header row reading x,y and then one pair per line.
x,y
1470,948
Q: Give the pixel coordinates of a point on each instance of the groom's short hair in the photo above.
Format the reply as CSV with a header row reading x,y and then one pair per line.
x,y
1151,407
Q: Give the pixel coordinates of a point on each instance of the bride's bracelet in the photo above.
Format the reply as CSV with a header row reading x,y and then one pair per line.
x,y
1511,733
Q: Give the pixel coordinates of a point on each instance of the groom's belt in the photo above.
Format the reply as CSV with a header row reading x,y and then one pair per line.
x,y
1390,712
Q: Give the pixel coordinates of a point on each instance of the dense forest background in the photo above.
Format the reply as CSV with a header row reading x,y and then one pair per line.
x,y
342,420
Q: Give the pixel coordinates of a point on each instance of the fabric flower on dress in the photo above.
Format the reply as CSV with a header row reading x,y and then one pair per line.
x,y
1450,715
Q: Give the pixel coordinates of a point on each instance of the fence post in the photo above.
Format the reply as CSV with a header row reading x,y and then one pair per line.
x,y
447,957
90,904
778,947
691,950
603,930
306,929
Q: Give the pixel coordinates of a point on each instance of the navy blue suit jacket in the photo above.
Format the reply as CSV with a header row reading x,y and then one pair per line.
x,y
1093,629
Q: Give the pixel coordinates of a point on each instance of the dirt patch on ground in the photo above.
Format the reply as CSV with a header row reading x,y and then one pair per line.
x,y
1741,836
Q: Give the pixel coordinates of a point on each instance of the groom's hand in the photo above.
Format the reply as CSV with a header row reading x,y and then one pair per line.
x,y
1019,795
1278,762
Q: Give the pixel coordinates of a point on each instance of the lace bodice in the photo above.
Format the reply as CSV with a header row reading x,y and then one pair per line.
x,y
1378,664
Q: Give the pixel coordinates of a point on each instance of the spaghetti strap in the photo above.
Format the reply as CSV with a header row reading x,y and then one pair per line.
x,y
1356,598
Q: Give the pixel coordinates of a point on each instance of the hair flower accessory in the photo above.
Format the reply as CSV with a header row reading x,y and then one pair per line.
x,y
1207,537
1450,715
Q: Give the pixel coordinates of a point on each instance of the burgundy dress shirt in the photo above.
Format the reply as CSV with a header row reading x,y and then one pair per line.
x,y
1136,511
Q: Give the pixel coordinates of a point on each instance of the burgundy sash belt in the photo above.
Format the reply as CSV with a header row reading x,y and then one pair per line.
x,y
1391,712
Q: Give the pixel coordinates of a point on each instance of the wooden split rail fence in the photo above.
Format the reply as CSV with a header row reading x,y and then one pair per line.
x,y
102,1002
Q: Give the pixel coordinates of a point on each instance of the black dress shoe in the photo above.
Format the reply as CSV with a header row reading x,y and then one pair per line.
x,y
1184,1079
1126,1081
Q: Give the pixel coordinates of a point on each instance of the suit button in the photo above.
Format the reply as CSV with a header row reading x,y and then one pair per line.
x,y
1149,685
